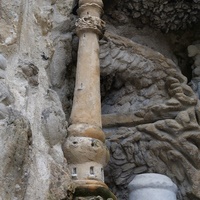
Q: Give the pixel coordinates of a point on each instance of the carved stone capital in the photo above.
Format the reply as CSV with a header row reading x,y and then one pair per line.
x,y
90,23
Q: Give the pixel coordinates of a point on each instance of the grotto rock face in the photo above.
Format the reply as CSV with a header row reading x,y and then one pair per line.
x,y
151,117
163,14
194,52
150,112
34,54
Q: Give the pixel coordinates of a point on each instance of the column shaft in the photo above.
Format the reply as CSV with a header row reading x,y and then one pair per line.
x,y
86,104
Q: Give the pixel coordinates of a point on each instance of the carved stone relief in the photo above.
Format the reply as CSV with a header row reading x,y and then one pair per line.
x,y
151,118
90,23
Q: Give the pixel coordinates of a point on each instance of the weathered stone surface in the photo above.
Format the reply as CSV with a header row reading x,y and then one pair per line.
x,y
148,72
162,14
35,58
151,117
15,136
194,52
162,124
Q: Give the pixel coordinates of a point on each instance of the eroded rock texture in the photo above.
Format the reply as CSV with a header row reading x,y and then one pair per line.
x,y
150,114
35,59
151,117
165,15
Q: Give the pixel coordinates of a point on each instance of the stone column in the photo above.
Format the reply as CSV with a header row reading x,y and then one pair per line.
x,y
86,111
85,148
152,186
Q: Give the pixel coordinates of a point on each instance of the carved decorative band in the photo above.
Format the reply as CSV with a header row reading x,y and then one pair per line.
x,y
90,23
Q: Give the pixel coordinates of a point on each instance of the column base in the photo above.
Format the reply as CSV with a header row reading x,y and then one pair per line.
x,y
86,188
86,130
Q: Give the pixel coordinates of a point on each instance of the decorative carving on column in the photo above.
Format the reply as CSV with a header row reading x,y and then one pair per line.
x,y
90,23
84,148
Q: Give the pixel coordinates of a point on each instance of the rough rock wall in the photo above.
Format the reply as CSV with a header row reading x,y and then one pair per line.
x,y
35,52
165,15
151,116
